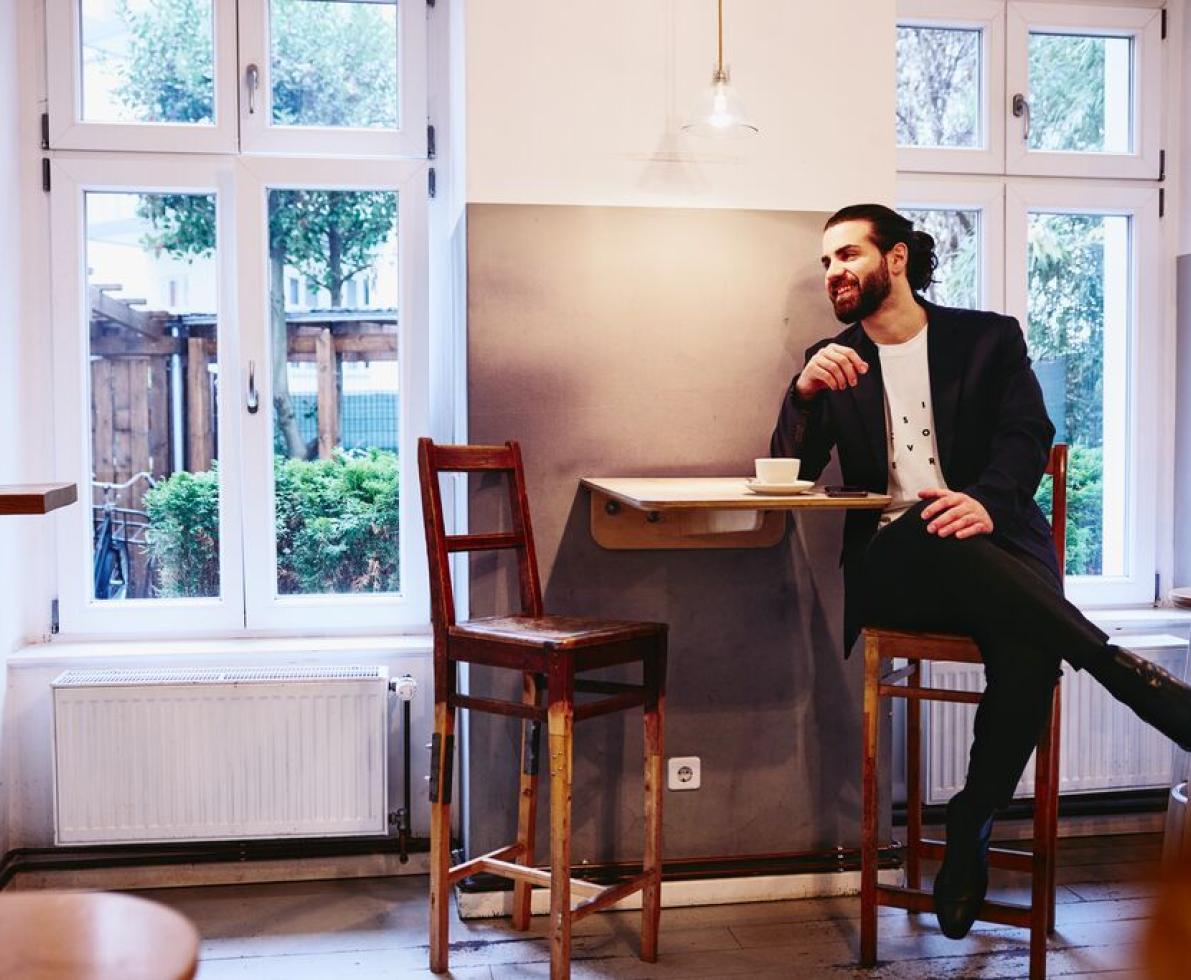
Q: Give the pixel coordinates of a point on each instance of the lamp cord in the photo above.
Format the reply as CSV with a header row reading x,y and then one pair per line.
x,y
720,49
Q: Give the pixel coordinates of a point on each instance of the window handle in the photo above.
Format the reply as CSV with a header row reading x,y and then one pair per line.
x,y
252,402
1021,107
252,77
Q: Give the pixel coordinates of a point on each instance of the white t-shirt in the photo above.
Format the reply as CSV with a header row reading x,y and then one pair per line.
x,y
910,422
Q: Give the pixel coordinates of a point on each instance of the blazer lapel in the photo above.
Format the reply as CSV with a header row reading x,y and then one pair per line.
x,y
946,354
869,396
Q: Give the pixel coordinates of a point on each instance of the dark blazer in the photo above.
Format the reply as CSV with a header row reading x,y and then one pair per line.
x,y
992,429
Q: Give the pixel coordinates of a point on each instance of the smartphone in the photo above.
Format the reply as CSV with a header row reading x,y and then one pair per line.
x,y
845,491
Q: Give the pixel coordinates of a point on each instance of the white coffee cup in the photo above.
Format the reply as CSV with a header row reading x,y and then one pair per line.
x,y
776,471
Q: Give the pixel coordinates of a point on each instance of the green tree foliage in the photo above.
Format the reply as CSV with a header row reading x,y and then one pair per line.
x,y
329,236
1085,505
337,527
333,64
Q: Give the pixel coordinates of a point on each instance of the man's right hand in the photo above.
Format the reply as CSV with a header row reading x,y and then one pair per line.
x,y
834,367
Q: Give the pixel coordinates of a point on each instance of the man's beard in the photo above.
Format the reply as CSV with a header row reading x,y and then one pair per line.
x,y
867,297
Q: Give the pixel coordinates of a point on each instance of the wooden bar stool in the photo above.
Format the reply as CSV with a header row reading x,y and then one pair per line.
x,y
906,682
548,651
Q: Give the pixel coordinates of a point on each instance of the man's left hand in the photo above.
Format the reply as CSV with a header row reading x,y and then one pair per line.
x,y
954,513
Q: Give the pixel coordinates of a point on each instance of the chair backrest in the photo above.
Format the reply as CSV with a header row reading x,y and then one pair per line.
x,y
435,459
1056,467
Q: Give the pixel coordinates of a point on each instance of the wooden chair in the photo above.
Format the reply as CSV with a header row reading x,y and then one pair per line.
x,y
548,651
906,682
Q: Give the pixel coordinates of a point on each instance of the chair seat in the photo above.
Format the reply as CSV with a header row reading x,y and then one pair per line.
x,y
554,633
947,647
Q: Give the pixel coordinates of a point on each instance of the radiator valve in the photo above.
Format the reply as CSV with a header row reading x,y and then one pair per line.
x,y
405,687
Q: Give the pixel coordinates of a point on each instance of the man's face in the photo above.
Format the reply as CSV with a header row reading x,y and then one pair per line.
x,y
855,272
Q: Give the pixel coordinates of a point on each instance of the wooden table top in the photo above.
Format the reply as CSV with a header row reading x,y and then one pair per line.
x,y
55,935
36,498
659,493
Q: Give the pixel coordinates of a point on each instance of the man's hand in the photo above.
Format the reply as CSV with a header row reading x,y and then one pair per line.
x,y
954,513
834,367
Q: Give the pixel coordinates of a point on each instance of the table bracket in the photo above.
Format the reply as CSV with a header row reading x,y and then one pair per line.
x,y
620,528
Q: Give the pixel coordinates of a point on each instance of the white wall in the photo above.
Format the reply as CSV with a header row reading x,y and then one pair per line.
x,y
574,102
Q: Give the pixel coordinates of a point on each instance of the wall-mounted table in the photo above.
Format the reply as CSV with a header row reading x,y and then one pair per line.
x,y
633,513
36,498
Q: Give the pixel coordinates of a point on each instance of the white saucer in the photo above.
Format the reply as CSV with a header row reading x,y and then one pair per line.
x,y
1181,597
778,489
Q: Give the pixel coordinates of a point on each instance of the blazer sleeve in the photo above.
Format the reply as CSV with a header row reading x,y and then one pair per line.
x,y
804,429
1023,432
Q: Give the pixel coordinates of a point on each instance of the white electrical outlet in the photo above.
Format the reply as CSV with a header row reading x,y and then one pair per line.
x,y
684,772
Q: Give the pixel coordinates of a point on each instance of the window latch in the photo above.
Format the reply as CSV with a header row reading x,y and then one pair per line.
x,y
252,78
252,402
1021,107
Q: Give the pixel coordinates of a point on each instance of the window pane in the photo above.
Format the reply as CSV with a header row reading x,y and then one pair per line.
x,y
148,61
1080,93
151,288
1079,271
938,87
334,63
335,390
957,247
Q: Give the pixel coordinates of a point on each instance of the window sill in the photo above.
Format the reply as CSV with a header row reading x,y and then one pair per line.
x,y
239,651
1139,618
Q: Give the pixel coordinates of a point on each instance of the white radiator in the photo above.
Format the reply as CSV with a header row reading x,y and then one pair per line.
x,y
1104,745
219,754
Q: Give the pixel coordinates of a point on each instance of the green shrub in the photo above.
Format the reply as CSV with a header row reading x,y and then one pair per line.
x,y
336,526
183,535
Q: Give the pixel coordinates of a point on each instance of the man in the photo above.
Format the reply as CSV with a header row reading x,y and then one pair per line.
x,y
939,408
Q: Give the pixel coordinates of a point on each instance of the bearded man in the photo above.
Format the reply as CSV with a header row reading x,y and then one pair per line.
x,y
940,409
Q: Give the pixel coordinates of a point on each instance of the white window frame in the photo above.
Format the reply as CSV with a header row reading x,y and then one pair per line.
x,y
265,609
71,179
988,17
259,135
64,86
985,196
1145,392
1144,25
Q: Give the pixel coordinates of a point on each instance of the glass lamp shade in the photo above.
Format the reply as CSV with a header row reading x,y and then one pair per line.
x,y
720,112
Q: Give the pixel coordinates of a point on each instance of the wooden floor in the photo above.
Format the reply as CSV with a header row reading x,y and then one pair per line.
x,y
376,928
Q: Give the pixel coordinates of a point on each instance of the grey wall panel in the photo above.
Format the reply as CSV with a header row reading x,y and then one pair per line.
x,y
633,341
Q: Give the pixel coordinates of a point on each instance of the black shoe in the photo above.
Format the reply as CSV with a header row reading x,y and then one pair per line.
x,y
962,881
1156,696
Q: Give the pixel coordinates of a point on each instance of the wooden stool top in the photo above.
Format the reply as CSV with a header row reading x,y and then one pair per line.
x,y
93,936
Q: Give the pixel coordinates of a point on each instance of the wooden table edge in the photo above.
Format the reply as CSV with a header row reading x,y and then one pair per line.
x,y
797,501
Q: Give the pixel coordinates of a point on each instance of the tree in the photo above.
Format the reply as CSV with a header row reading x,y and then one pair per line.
x,y
329,67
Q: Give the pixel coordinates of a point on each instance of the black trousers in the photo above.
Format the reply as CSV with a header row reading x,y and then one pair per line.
x,y
1011,605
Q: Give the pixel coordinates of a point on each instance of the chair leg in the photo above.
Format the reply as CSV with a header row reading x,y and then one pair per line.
x,y
527,805
868,844
442,753
655,713
1044,806
561,725
913,782
1056,727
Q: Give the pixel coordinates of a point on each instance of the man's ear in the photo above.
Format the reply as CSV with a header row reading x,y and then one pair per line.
x,y
898,257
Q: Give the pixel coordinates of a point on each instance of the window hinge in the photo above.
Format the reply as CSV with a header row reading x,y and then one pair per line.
x,y
53,617
1163,22
1157,588
1161,202
1161,164
45,130
430,3
431,183
430,144
45,174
